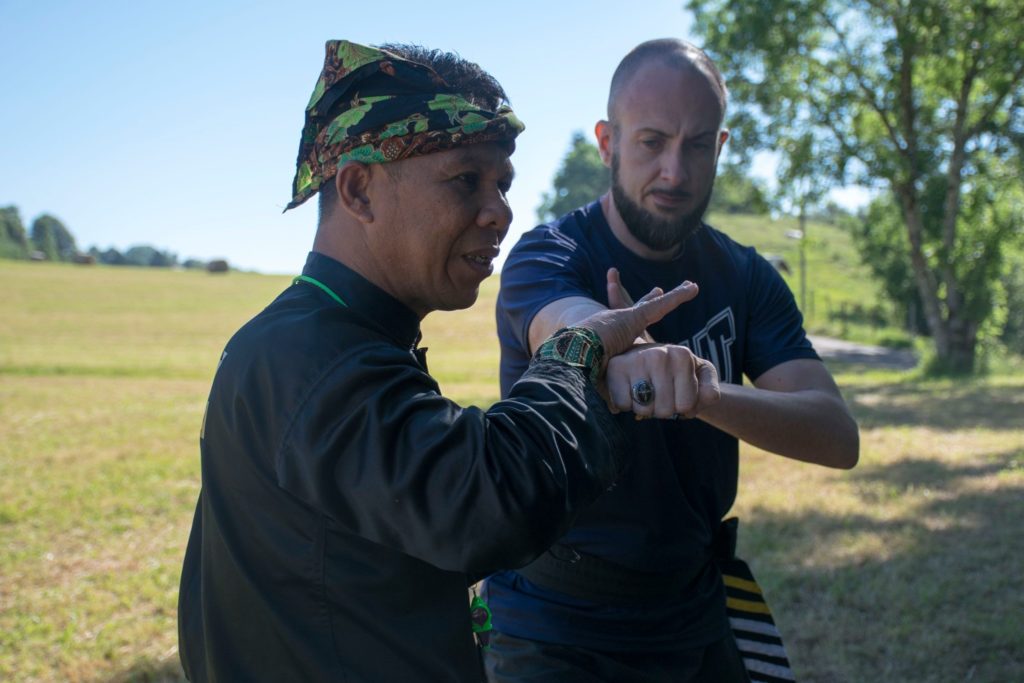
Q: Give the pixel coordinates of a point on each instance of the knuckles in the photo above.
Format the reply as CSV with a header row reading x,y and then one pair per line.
x,y
671,369
654,357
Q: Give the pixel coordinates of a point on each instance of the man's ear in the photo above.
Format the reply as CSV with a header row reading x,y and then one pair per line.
x,y
352,182
603,133
723,135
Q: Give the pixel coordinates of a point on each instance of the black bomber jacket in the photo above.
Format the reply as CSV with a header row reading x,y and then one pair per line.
x,y
346,505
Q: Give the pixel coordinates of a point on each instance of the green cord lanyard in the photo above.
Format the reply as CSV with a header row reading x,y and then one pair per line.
x,y
480,618
316,283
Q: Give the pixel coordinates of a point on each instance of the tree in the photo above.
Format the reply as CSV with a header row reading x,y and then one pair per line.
x,y
735,192
13,239
880,239
53,239
904,96
582,178
802,186
140,255
164,259
1012,334
148,255
110,256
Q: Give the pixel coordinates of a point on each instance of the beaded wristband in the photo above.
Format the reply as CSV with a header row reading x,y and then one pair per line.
x,y
579,347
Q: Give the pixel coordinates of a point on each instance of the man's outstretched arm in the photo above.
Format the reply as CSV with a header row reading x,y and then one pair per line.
x,y
794,409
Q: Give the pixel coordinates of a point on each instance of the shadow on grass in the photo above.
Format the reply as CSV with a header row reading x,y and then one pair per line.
x,y
920,472
934,596
939,406
150,671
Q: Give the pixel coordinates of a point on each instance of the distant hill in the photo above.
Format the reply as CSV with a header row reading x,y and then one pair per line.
x,y
842,295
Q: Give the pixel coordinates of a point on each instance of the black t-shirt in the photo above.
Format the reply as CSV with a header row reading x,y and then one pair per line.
x,y
663,512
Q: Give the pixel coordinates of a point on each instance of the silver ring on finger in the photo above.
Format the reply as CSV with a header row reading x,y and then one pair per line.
x,y
642,392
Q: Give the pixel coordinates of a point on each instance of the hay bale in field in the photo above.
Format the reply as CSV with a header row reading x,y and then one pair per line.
x,y
84,259
217,266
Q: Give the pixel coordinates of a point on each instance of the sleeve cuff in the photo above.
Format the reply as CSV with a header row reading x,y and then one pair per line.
x,y
579,347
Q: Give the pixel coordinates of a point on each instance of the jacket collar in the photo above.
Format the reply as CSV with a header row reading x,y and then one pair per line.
x,y
382,310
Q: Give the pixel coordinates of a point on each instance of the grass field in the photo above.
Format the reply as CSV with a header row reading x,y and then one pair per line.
x,y
904,569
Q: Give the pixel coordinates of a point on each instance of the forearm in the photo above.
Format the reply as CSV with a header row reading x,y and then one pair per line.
x,y
381,453
562,313
811,425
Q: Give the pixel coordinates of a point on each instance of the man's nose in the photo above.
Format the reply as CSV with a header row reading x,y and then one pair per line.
x,y
495,214
674,169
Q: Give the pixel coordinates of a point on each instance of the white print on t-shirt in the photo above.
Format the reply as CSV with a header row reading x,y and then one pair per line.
x,y
713,343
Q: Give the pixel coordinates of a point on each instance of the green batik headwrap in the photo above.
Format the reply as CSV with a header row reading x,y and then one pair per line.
x,y
372,106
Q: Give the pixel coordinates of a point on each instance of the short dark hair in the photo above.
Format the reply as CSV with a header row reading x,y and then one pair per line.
x,y
670,51
466,78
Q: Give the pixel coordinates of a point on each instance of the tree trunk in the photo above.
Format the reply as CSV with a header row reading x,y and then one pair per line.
x,y
927,287
963,341
953,335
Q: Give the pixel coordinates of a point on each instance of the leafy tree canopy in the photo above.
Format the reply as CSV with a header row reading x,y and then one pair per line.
x,y
582,178
50,236
735,192
146,255
917,98
13,238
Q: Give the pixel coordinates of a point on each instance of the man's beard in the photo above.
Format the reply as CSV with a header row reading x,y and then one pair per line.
x,y
659,234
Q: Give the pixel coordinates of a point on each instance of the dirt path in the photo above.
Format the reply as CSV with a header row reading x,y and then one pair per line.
x,y
851,352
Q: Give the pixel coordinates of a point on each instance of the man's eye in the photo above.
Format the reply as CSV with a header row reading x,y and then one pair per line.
x,y
470,180
651,143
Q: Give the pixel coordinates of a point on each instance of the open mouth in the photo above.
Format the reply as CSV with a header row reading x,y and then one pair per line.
x,y
484,261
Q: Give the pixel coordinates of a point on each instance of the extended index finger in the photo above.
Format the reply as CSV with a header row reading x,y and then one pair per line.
x,y
654,309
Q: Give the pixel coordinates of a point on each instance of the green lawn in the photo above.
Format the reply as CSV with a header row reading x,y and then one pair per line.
x,y
904,569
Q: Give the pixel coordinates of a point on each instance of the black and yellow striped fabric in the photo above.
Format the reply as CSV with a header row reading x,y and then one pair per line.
x,y
756,635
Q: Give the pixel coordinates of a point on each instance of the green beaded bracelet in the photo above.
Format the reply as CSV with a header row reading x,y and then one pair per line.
x,y
579,347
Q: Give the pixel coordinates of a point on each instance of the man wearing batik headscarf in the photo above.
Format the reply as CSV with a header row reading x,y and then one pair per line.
x,y
346,505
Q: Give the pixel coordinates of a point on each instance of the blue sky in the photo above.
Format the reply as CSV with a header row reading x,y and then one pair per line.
x,y
177,124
